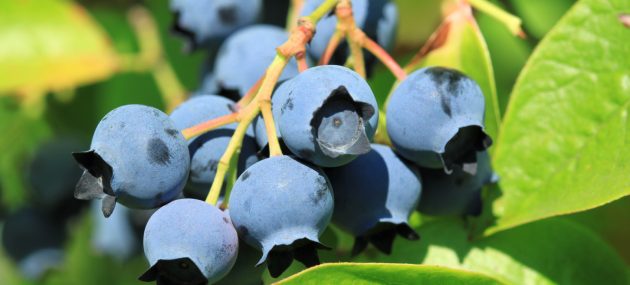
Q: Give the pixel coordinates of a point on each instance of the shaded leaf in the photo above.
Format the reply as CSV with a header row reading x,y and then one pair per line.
x,y
375,273
552,251
564,142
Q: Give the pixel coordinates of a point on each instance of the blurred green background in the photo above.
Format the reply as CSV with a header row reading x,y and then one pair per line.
x,y
74,111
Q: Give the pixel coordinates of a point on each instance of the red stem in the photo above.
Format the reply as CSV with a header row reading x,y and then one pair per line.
x,y
209,125
385,58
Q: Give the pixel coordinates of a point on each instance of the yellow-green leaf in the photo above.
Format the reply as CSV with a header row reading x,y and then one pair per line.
x,y
50,45
382,273
564,145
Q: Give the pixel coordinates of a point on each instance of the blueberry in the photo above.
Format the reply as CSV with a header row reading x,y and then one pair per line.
x,y
328,116
189,242
281,206
202,21
377,18
113,236
435,119
137,158
52,175
32,239
246,54
374,196
457,194
206,150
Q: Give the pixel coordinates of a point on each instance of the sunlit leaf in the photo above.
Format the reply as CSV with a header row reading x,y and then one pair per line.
x,y
50,45
564,146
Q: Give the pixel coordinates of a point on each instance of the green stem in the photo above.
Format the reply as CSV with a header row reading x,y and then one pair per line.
x,y
322,10
512,22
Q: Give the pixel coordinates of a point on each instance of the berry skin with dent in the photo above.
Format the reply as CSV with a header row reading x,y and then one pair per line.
x,y
435,119
281,206
457,194
137,158
329,115
189,242
374,196
245,55
206,150
200,22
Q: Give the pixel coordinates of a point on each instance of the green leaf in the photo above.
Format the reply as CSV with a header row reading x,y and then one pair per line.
x,y
607,221
539,16
459,44
50,45
553,251
375,273
508,53
564,141
21,135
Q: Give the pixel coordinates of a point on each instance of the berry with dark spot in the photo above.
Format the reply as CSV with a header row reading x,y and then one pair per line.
x,y
457,194
282,206
189,242
328,115
245,55
200,22
435,119
135,159
374,196
206,150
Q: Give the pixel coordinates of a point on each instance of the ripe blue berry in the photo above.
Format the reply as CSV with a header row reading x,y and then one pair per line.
x,y
203,21
374,196
435,119
328,116
137,158
245,56
189,242
113,236
457,194
281,206
206,150
377,18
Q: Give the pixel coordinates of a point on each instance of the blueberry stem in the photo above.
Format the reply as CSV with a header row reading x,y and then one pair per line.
x,y
348,26
294,14
249,96
510,21
334,42
301,62
206,126
383,56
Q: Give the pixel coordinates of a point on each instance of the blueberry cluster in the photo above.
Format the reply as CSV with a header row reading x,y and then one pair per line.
x,y
332,171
